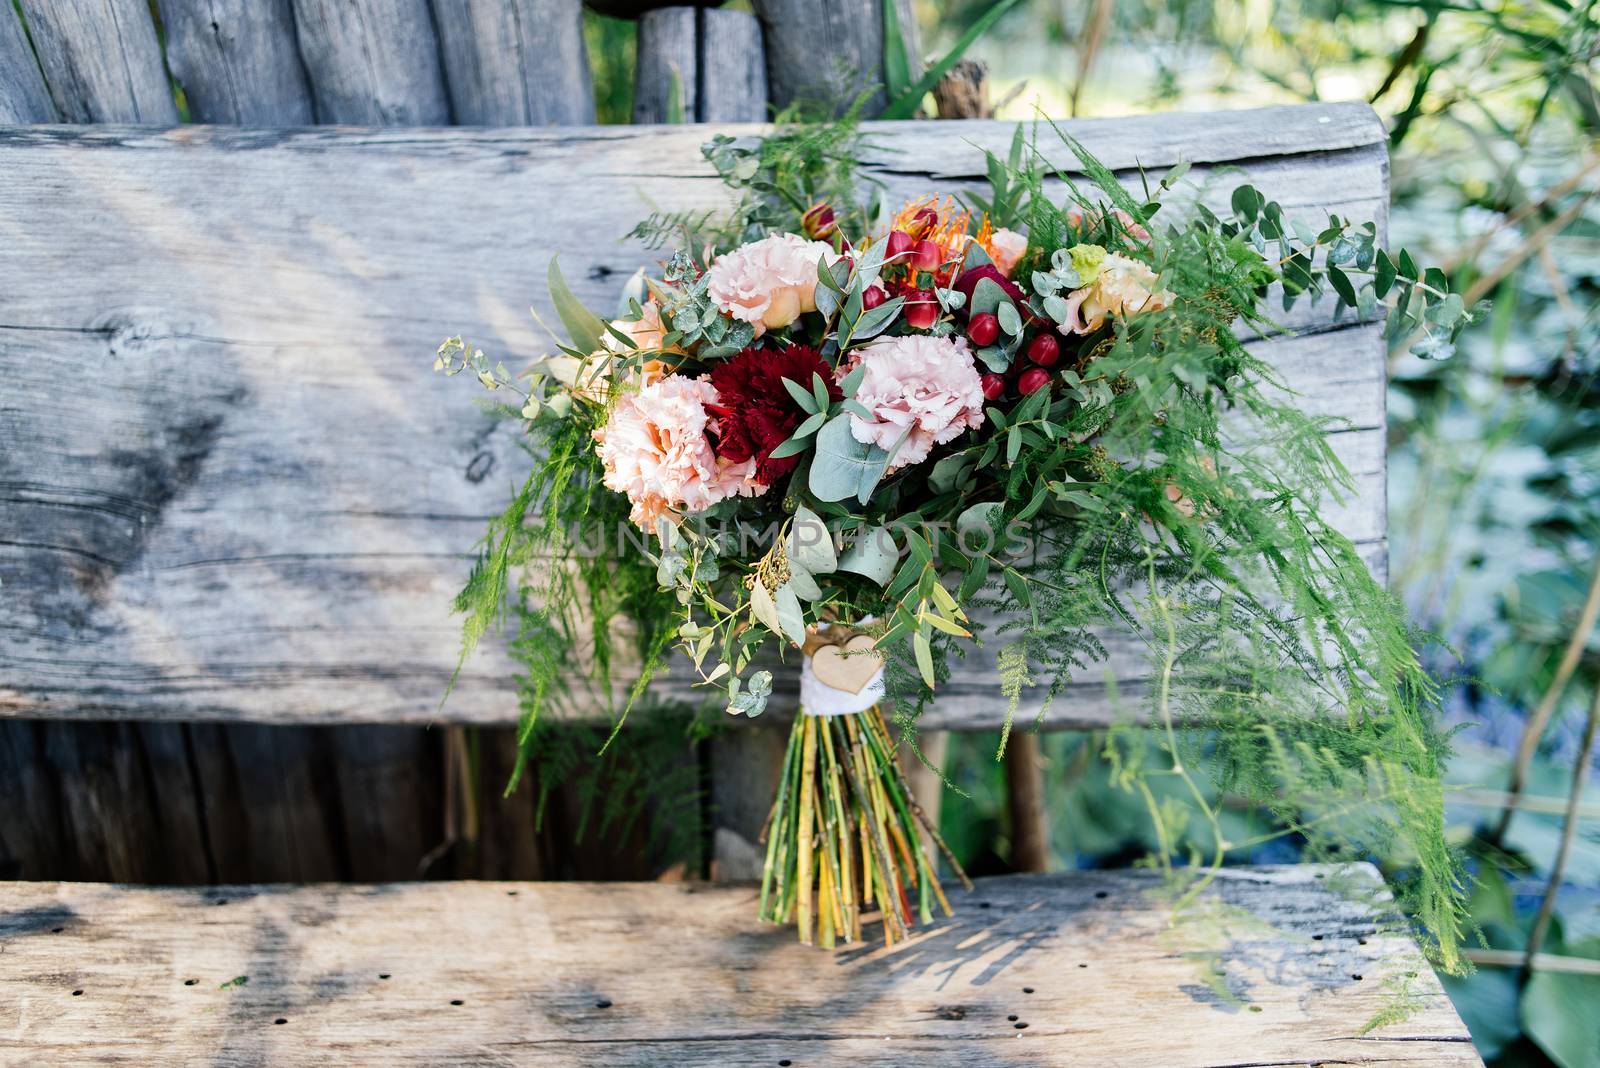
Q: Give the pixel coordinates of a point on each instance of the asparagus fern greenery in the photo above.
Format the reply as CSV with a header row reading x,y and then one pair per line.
x,y
1131,468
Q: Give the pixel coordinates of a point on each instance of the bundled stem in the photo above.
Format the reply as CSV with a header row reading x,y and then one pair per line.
x,y
844,833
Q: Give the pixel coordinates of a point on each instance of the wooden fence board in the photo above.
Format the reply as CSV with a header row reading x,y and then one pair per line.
x,y
707,64
1273,967
374,62
829,51
237,61
733,71
209,519
101,60
515,62
23,95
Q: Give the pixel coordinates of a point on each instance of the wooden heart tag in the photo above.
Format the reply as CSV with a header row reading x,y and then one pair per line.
x,y
849,673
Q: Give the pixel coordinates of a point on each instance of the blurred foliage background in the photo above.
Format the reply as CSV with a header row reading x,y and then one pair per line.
x,y
1494,491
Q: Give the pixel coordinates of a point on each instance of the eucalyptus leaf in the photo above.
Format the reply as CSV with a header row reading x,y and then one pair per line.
x,y
763,607
987,295
810,543
874,554
790,615
843,466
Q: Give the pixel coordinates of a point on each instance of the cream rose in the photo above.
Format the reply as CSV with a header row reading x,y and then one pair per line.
x,y
1119,286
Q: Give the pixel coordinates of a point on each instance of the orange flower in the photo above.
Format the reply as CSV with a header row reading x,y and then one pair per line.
x,y
946,224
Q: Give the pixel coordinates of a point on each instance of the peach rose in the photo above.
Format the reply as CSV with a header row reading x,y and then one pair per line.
x,y
1006,248
768,282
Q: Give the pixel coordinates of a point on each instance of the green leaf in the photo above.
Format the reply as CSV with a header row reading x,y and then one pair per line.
x,y
794,446
987,296
1342,286
819,390
924,653
804,586
979,525
811,425
874,555
852,381
1383,275
896,64
874,322
763,607
844,466
1247,203
1010,321
858,409
790,615
810,543
1408,266
802,396
947,472
904,105
1018,587
584,327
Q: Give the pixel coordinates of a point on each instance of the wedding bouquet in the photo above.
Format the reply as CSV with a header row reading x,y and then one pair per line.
x,y
859,434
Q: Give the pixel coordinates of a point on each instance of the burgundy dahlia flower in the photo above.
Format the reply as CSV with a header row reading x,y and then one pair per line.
x,y
754,413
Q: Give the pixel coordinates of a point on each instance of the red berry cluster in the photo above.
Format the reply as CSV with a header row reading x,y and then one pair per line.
x,y
914,265
1043,352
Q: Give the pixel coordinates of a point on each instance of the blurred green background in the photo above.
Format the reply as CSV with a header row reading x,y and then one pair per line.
x,y
1494,491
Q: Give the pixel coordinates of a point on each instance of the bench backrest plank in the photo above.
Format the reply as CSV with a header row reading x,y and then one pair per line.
x,y
237,495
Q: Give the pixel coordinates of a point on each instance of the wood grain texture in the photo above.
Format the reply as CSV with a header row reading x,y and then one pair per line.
x,y
515,62
484,974
254,501
706,65
822,52
237,61
23,95
733,71
101,60
667,70
372,62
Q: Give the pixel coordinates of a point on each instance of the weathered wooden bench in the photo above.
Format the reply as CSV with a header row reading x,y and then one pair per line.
x,y
233,495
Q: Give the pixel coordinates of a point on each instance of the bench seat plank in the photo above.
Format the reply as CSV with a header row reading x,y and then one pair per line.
x,y
1273,967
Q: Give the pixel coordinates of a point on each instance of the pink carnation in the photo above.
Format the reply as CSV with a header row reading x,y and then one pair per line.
x,y
768,282
655,450
922,389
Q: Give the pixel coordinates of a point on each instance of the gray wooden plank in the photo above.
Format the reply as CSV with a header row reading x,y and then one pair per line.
x,y
825,52
707,63
667,68
237,61
373,62
207,525
733,77
23,95
101,60
515,62
477,974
